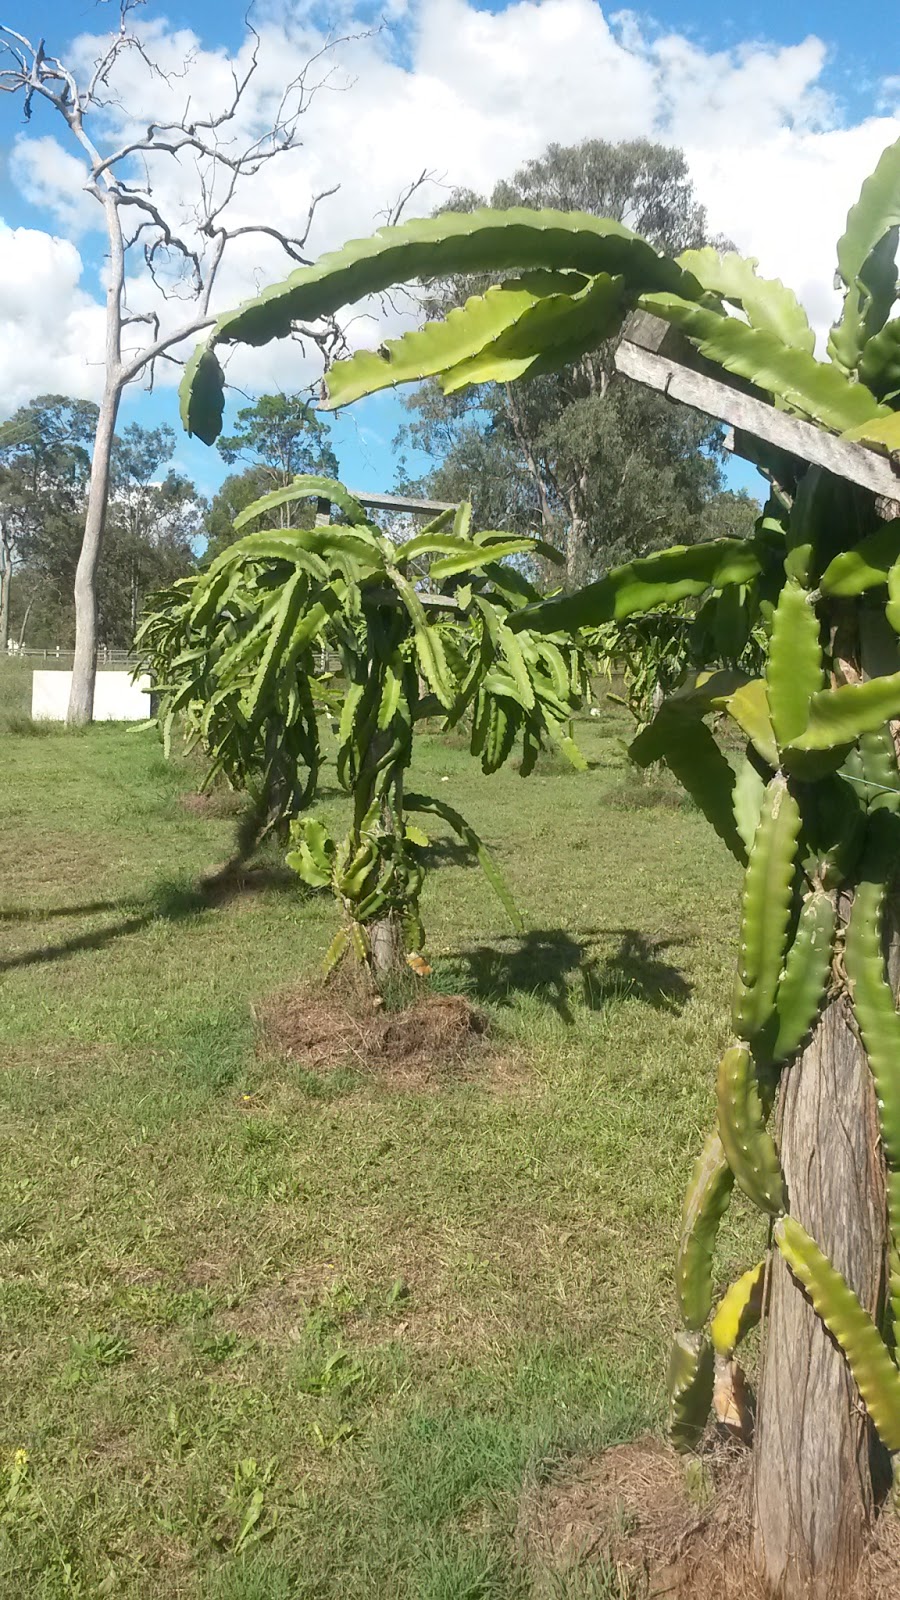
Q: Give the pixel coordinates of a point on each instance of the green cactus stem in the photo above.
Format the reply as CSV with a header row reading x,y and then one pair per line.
x,y
804,979
766,909
738,1311
705,1204
748,1145
690,1389
868,1358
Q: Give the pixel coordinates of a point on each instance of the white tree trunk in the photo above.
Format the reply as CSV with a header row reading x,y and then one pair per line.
x,y
25,622
5,577
576,534
84,670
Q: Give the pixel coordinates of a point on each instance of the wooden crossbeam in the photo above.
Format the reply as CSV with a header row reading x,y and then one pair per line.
x,y
385,502
654,354
401,502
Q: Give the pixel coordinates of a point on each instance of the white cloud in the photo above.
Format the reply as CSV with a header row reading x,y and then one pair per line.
x,y
52,178
469,94
889,93
51,332
785,200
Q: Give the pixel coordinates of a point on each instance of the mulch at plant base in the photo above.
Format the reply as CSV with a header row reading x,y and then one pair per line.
x,y
647,1523
213,803
337,1024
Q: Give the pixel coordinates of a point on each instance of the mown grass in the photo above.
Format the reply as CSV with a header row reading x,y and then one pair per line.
x,y
268,1332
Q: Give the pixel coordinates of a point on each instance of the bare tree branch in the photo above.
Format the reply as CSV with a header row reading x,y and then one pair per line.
x,y
182,252
392,214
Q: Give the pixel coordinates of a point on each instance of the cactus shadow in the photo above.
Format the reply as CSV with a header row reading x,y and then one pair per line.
x,y
169,900
445,852
565,968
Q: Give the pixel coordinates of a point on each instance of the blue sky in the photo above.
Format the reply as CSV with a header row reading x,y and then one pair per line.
x,y
810,114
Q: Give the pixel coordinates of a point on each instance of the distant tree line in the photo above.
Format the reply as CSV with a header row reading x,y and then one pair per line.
x,y
160,527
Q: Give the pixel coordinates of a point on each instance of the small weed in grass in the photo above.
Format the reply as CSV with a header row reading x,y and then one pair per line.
x,y
337,1375
89,1356
219,1346
250,1506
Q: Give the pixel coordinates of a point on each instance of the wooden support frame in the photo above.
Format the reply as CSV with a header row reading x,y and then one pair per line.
x,y
386,502
653,353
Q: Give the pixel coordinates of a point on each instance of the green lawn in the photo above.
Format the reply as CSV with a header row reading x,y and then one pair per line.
x,y
270,1333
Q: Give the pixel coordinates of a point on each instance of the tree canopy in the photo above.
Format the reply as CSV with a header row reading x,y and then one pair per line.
x,y
596,464
278,438
155,518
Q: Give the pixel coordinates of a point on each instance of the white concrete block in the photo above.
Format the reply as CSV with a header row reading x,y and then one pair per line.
x,y
116,698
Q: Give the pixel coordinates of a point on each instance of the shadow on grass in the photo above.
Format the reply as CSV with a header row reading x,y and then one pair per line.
x,y
448,853
169,901
556,965
54,913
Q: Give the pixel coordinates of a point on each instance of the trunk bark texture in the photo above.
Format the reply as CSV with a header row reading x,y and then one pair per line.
x,y
25,622
819,1468
386,947
84,667
576,533
531,461
813,1493
386,943
84,670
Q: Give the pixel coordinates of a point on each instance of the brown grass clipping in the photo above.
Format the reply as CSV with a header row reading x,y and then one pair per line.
x,y
213,803
640,1522
342,1023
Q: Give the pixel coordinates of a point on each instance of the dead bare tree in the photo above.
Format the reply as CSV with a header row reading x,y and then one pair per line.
x,y
182,262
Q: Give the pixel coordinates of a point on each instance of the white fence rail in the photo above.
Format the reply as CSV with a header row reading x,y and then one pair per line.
x,y
106,657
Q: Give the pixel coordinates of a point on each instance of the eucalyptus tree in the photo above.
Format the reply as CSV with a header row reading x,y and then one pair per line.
x,y
44,470
155,515
159,257
581,455
283,437
424,629
7,559
276,439
811,811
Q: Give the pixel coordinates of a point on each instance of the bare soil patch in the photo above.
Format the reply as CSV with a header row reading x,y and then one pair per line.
x,y
647,1523
214,803
341,1024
